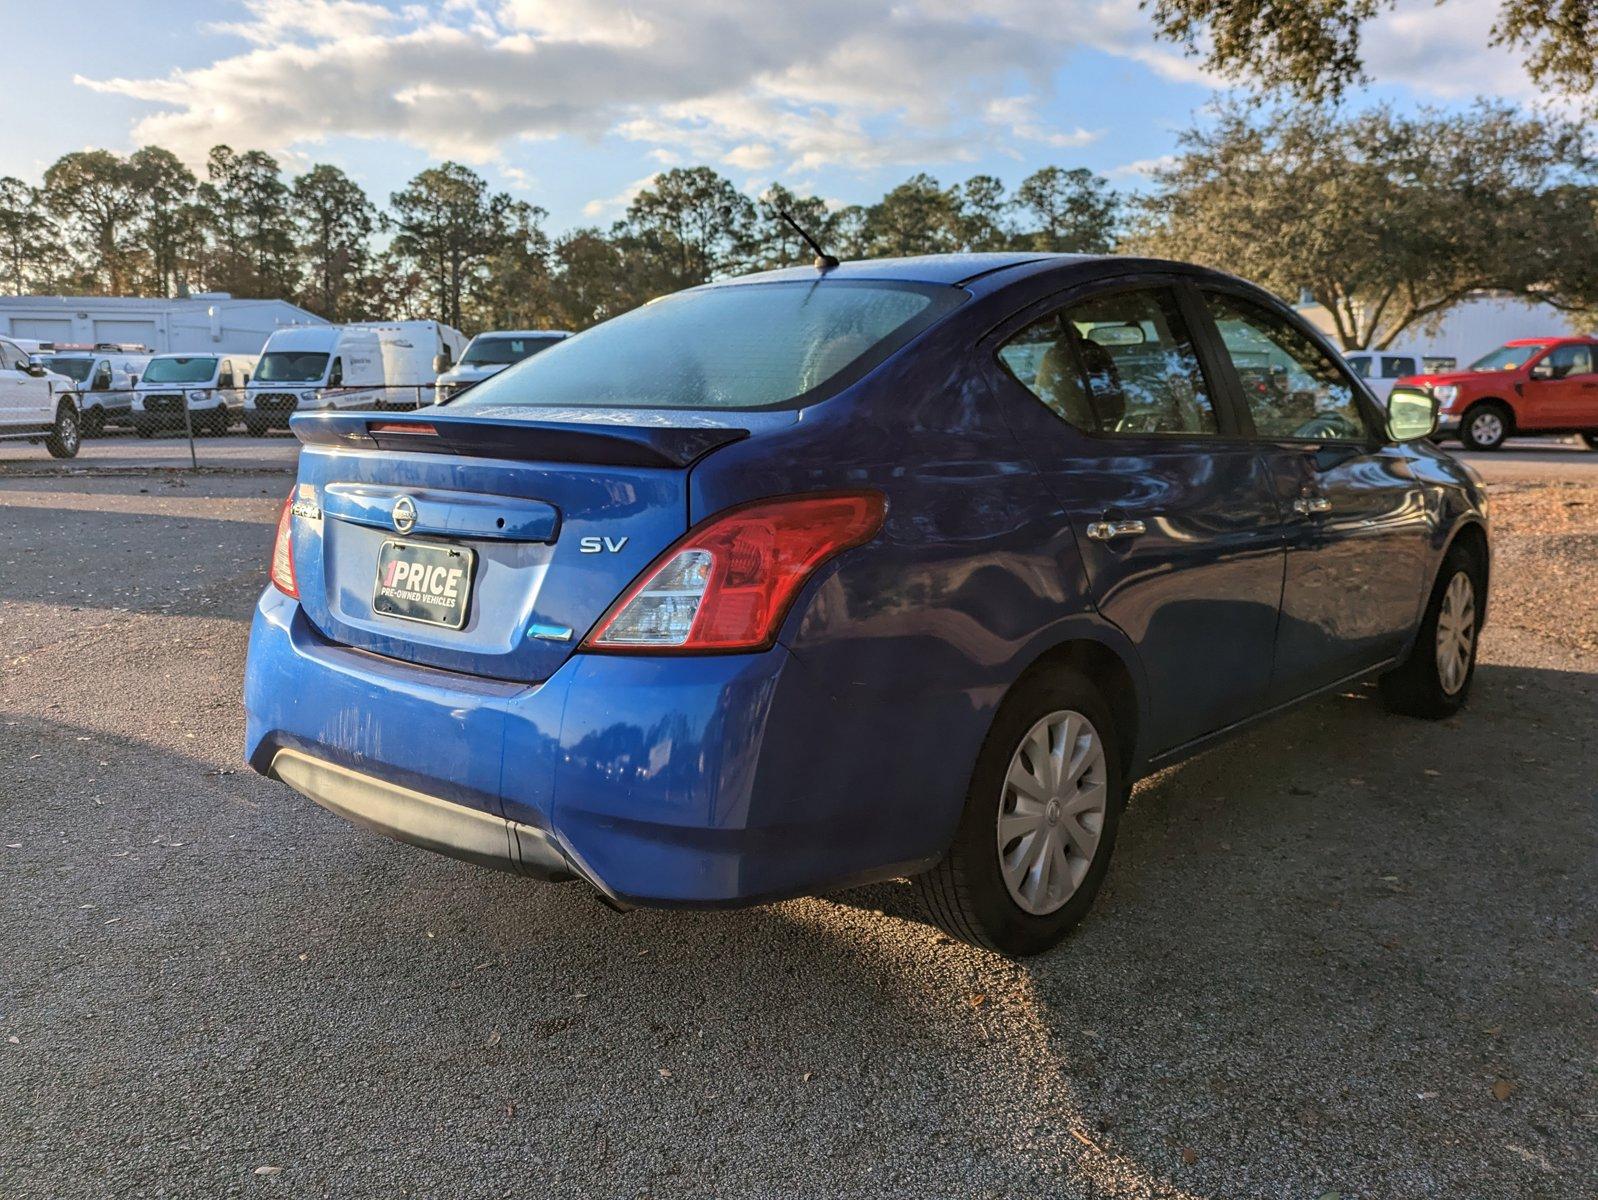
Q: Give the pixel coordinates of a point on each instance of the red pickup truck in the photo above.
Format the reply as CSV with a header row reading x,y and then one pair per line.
x,y
1528,386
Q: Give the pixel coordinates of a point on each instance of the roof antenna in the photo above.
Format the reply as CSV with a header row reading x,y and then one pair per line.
x,y
824,261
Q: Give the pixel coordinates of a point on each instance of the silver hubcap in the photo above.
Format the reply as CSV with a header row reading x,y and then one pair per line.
x,y
1051,812
69,430
1456,633
1488,427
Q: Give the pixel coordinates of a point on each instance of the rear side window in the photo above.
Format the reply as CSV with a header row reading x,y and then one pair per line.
x,y
1565,361
1117,364
745,346
1292,387
1397,367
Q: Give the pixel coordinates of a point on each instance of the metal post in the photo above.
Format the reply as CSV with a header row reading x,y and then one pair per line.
x,y
188,425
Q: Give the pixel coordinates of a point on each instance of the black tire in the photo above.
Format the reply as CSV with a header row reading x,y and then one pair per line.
x,y
1485,426
222,422
1416,687
254,426
144,427
1591,439
965,894
67,433
94,422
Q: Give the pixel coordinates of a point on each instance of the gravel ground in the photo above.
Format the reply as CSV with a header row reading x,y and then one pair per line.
x,y
1349,954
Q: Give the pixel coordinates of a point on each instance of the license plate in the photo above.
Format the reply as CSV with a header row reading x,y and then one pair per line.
x,y
418,582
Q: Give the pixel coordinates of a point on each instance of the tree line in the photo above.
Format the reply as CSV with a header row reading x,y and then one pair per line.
x,y
449,247
1386,219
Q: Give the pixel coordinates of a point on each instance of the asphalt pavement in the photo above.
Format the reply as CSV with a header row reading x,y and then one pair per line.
x,y
1350,955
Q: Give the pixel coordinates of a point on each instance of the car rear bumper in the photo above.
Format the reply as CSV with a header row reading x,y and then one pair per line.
x,y
694,782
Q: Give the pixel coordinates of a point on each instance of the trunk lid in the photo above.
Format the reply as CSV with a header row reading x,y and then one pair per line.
x,y
549,518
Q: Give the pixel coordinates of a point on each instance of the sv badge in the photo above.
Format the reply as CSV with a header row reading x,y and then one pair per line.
x,y
600,545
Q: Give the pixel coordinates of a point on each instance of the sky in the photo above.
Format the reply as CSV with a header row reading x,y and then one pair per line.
x,y
574,104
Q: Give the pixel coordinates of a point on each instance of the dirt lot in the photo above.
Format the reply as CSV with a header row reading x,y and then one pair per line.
x,y
1350,955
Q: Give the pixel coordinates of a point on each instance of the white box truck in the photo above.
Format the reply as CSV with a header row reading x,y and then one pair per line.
x,y
314,367
414,354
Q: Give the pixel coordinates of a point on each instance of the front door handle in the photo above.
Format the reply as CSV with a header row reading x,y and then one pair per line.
x,y
1108,531
1305,505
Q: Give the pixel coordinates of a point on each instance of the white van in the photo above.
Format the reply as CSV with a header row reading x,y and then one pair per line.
x,y
414,352
491,351
311,367
1381,369
210,386
103,381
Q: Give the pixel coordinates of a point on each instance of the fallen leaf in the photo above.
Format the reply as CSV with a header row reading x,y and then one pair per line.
x,y
15,1041
1085,1140
1494,1031
510,1108
978,1000
665,1074
1502,1089
805,1078
268,1170
1425,1095
493,1039
1189,1156
13,845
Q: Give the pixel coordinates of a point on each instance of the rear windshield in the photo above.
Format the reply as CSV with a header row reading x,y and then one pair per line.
x,y
750,346
496,351
180,370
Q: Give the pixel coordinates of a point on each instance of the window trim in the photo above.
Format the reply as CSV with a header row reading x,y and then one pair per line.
x,y
1369,408
1228,426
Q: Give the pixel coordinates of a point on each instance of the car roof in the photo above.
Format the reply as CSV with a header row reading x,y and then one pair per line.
x,y
948,269
1551,339
525,333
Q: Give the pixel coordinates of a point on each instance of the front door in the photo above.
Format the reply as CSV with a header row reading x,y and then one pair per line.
x,y
1176,516
1561,391
17,387
1357,529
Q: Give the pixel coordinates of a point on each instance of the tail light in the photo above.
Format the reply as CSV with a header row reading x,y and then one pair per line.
x,y
282,570
728,583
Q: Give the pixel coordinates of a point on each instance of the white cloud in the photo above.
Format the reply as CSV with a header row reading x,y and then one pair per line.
x,y
612,206
1143,167
789,88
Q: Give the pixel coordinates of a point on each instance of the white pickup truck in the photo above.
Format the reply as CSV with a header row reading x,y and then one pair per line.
x,y
36,404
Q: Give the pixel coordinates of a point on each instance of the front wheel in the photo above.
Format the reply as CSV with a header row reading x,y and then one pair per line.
x,y
1485,427
1435,679
67,433
1039,822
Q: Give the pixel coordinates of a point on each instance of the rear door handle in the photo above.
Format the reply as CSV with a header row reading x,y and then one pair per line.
x,y
1108,531
1305,505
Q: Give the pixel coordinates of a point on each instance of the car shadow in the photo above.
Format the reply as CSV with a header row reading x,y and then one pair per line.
x,y
1300,934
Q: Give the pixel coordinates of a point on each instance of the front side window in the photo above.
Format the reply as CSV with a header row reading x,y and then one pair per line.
x,y
1397,367
1361,364
1564,361
1292,387
744,346
180,370
225,380
11,357
1117,364
102,378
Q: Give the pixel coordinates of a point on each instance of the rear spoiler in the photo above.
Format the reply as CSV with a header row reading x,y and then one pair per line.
x,y
602,444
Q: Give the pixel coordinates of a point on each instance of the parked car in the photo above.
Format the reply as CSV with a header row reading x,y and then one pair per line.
x,y
1528,386
490,353
102,382
36,403
1381,369
906,567
210,386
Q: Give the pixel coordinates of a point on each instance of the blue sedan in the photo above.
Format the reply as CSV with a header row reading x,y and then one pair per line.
x,y
823,576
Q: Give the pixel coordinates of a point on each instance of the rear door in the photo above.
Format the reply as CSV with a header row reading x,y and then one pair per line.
x,y
1174,512
1357,526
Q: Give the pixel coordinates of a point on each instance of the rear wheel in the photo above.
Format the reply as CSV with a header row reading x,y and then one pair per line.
x,y
1485,426
1435,679
1039,823
93,422
254,426
67,433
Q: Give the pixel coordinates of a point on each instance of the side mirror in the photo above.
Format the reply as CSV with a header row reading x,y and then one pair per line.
x,y
133,381
440,363
34,369
1411,415
1543,370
